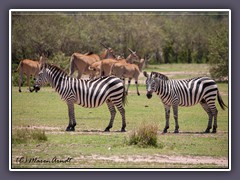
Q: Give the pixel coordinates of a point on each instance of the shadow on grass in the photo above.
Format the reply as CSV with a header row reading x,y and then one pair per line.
x,y
195,132
98,131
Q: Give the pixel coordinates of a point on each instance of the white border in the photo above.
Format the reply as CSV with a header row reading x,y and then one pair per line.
x,y
117,10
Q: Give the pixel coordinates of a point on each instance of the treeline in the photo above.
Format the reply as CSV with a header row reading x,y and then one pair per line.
x,y
163,37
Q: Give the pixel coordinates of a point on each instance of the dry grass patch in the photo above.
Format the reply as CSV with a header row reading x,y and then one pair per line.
x,y
21,136
144,136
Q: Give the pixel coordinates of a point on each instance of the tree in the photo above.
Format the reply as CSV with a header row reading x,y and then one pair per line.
x,y
218,50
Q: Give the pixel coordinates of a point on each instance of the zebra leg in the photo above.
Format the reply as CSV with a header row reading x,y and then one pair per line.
x,y
215,113
167,115
113,113
72,121
122,112
210,116
175,112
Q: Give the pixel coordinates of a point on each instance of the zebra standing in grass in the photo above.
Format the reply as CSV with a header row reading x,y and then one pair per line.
x,y
188,92
87,93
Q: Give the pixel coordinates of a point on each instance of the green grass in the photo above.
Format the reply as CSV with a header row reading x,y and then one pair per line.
x,y
146,135
45,110
21,136
68,145
188,68
89,146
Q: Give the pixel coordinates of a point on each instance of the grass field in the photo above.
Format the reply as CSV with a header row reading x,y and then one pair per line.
x,y
90,147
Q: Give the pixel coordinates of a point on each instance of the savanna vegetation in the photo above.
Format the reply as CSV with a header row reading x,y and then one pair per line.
x,y
162,37
39,121
178,44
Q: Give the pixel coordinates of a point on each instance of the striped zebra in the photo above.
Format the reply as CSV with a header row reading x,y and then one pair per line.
x,y
185,93
87,93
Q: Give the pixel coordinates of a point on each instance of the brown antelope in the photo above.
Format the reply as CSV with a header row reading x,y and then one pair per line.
x,y
127,70
95,69
81,62
133,57
108,53
105,67
29,68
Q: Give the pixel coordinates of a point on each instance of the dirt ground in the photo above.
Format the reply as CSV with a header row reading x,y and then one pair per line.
x,y
156,158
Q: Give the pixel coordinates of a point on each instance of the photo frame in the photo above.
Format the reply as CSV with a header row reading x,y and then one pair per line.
x,y
36,160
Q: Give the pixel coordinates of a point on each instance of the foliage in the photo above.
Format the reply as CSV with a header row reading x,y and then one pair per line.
x,y
163,37
144,136
218,56
22,136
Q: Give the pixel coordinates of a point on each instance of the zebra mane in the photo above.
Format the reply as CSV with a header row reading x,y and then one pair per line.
x,y
158,75
56,67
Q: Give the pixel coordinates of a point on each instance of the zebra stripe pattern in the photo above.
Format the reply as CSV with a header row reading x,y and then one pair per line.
x,y
87,93
185,93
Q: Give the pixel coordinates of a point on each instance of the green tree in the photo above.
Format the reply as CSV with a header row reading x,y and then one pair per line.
x,y
218,50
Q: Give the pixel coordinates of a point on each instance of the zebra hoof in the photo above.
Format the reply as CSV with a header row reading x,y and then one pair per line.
x,y
207,131
70,129
19,90
165,130
176,131
123,130
106,130
214,131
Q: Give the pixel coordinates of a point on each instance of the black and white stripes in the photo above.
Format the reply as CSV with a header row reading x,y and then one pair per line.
x,y
87,93
185,93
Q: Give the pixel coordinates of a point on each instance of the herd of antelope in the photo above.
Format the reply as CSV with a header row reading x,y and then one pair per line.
x,y
111,89
93,65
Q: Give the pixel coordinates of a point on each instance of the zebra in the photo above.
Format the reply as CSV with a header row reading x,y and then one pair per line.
x,y
87,93
185,93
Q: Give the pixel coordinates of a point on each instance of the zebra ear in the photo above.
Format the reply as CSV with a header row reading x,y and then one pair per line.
x,y
42,61
145,74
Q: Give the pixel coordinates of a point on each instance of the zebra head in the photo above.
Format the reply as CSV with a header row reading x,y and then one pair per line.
x,y
41,78
150,84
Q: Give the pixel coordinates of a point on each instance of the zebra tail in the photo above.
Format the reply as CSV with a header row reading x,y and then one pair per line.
x,y
124,97
220,101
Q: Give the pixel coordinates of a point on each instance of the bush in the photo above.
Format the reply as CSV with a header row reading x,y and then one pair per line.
x,y
60,60
218,52
144,136
22,136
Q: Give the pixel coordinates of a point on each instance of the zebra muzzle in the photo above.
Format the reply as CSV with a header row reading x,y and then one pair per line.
x,y
149,95
36,88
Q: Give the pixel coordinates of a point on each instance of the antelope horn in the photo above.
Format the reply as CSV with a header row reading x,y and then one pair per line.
x,y
103,45
130,50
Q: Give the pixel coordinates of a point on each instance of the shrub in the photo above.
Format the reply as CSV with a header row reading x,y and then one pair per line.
x,y
218,52
144,136
60,60
22,136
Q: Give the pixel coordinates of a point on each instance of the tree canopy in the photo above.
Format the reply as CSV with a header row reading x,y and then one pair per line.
x,y
164,37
